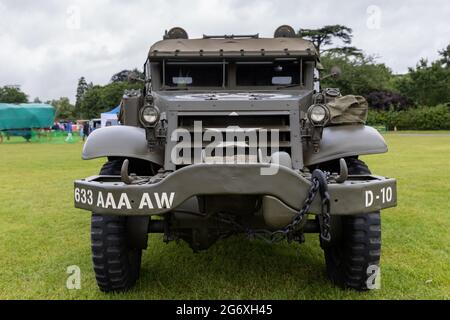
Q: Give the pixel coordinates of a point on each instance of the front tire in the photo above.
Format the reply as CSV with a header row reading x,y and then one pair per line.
x,y
355,253
350,260
116,263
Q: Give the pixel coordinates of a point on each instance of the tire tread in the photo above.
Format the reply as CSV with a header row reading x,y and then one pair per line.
x,y
348,260
116,266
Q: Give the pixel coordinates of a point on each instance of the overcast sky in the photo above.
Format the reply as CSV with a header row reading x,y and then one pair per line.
x,y
46,46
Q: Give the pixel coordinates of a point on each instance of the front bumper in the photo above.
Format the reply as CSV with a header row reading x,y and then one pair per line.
x,y
108,195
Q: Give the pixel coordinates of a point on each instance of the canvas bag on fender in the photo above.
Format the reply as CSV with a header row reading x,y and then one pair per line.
x,y
348,110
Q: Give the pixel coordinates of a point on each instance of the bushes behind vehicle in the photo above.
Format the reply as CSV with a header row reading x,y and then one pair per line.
x,y
420,118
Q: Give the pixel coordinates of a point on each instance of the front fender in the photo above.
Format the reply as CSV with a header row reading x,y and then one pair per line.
x,y
120,141
345,141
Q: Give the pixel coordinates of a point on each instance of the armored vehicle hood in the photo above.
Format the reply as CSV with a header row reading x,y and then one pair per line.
x,y
228,99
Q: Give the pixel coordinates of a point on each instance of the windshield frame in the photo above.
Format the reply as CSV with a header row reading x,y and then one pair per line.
x,y
272,63
229,74
165,63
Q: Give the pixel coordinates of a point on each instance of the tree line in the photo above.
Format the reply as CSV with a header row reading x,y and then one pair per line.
x,y
417,100
425,85
91,100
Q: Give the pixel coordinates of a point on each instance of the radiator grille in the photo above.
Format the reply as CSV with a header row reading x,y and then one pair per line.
x,y
257,132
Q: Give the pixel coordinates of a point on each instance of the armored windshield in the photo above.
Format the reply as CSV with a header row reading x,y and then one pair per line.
x,y
268,73
233,74
195,74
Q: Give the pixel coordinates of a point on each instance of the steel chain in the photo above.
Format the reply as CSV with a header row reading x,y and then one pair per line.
x,y
289,231
324,217
325,225
318,184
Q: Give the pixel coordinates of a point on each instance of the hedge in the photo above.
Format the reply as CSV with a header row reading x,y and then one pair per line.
x,y
421,118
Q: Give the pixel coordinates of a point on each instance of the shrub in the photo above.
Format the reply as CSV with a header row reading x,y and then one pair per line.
x,y
421,118
384,100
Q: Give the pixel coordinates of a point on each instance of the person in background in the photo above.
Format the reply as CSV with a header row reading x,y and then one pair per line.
x,y
69,131
81,131
55,127
85,130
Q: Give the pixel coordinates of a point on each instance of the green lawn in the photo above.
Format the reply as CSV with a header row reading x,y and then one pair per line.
x,y
41,234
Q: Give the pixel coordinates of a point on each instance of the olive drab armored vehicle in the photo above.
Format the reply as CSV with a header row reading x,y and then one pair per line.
x,y
231,134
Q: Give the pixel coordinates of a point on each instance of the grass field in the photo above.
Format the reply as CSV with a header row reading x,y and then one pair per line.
x,y
41,234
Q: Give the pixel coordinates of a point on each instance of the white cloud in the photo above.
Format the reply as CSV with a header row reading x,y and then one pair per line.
x,y
42,50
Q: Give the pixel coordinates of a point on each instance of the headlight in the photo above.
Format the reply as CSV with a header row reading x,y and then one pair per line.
x,y
150,116
318,114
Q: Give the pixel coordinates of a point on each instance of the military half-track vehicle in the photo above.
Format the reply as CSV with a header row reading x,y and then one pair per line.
x,y
231,135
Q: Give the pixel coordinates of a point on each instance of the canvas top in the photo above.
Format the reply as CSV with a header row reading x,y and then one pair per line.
x,y
26,116
233,47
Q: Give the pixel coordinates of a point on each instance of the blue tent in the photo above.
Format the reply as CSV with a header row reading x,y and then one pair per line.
x,y
116,110
110,117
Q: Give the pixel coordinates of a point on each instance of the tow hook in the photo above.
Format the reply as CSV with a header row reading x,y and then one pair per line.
x,y
343,172
129,179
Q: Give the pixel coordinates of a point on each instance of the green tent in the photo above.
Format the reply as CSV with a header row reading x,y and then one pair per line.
x,y
26,116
